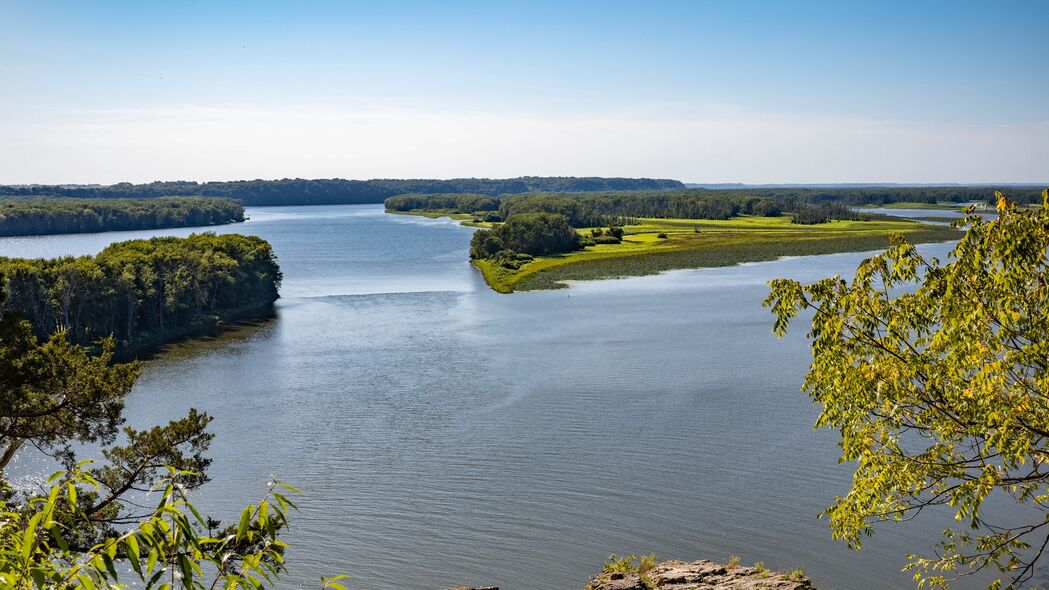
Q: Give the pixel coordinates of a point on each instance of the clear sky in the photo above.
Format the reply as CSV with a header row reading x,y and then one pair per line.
x,y
729,91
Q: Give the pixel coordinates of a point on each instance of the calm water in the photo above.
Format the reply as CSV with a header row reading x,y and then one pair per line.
x,y
444,434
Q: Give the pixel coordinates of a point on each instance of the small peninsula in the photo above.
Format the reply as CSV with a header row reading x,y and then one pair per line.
x,y
531,242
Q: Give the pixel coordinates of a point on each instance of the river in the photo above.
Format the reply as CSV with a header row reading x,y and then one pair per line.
x,y
444,434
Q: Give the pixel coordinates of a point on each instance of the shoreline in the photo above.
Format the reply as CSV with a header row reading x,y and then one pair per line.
x,y
693,244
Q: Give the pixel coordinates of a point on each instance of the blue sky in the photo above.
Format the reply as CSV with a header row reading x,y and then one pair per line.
x,y
701,91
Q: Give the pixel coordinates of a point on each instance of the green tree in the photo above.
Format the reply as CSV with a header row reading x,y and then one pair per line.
x,y
534,234
937,377
55,398
172,546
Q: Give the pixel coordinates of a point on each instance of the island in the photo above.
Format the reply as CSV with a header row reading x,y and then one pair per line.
x,y
540,241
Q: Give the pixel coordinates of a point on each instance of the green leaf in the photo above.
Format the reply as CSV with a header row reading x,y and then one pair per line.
x,y
245,522
29,536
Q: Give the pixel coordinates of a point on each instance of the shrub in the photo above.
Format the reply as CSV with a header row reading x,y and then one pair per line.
x,y
510,259
535,234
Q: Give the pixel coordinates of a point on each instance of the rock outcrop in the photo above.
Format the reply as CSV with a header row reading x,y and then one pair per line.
x,y
700,575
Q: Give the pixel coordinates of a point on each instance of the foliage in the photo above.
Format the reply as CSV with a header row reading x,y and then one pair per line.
x,y
721,243
459,203
631,564
173,546
40,216
510,259
90,521
822,213
624,207
936,376
55,394
57,398
534,234
298,191
141,288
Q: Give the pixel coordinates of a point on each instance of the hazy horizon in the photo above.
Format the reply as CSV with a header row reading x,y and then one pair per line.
x,y
759,92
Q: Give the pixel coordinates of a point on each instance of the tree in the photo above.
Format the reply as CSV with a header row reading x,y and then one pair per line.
x,y
937,377
534,234
55,397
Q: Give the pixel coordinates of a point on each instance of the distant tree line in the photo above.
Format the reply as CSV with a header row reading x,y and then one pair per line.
x,y
607,208
142,291
875,196
31,216
595,209
298,191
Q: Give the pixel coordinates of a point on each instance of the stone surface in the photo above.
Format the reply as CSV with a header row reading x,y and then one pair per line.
x,y
699,575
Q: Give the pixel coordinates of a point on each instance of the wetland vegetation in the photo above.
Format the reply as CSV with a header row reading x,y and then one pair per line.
x,y
702,243
640,233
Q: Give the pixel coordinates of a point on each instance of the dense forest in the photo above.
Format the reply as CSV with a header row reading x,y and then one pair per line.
x,y
451,202
336,191
595,209
874,196
592,209
31,216
142,291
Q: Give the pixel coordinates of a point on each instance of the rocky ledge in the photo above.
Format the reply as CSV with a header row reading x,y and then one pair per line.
x,y
698,575
701,575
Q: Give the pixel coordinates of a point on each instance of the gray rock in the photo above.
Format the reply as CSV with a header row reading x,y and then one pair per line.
x,y
699,575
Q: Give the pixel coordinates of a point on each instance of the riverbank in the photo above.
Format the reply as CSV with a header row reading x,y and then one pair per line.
x,y
205,327
657,245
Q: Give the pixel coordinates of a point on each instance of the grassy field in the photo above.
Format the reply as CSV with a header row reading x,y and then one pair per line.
x,y
717,243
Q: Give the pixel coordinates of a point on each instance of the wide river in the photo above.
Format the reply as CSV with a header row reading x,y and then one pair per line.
x,y
444,434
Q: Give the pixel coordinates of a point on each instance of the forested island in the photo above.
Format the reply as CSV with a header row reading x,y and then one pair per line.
x,y
34,216
143,292
338,191
538,241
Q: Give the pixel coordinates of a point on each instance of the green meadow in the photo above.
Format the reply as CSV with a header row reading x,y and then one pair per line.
x,y
697,243
702,243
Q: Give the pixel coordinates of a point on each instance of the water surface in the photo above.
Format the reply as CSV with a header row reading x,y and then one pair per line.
x,y
444,434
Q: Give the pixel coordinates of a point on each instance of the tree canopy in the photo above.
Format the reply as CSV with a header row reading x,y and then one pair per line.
x,y
298,191
937,377
89,521
30,216
142,291
531,234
